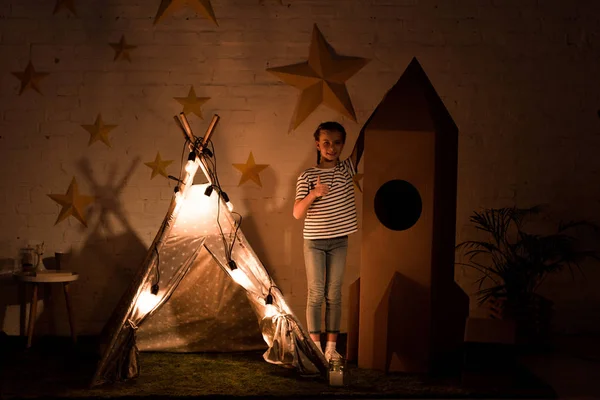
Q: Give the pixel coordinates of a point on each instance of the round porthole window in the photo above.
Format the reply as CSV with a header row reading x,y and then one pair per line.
x,y
398,205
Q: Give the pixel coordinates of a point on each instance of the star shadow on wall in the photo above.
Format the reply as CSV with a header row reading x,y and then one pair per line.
x,y
65,4
122,49
30,78
202,7
321,79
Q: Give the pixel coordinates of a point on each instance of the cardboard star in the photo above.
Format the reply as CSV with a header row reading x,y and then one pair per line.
x,y
159,166
30,79
321,79
99,131
191,103
73,203
202,7
356,180
122,49
68,4
250,170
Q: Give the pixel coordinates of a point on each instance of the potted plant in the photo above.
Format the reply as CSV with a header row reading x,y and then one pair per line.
x,y
514,262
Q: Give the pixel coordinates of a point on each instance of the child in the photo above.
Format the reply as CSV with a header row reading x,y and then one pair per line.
x,y
325,196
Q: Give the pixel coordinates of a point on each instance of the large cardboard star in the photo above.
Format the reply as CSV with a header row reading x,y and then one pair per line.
x,y
191,103
122,49
68,4
73,203
159,166
202,7
321,79
30,79
250,170
99,131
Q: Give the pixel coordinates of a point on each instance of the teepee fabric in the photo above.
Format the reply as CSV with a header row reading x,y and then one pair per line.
x,y
198,306
205,313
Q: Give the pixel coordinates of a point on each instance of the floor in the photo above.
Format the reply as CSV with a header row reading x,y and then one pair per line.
x,y
573,370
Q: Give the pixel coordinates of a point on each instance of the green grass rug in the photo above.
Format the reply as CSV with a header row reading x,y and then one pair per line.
x,y
50,372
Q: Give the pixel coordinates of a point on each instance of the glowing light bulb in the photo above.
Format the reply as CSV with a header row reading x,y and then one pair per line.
x,y
146,302
241,279
190,167
197,206
270,311
230,207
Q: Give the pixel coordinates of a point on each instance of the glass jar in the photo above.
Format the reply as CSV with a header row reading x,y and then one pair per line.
x,y
28,257
338,375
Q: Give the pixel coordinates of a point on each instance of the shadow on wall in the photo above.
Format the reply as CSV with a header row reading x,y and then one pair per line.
x,y
257,223
274,234
111,253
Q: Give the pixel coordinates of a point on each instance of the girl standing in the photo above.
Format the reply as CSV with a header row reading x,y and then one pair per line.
x,y
325,196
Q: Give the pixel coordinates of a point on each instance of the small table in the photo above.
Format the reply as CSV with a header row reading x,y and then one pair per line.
x,y
50,276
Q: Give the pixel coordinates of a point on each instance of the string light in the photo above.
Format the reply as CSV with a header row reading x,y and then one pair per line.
x,y
146,302
190,167
227,202
270,311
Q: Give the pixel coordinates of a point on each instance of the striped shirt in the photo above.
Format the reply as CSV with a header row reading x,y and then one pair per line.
x,y
334,214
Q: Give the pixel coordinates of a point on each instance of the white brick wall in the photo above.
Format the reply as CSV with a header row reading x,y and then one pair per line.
x,y
519,78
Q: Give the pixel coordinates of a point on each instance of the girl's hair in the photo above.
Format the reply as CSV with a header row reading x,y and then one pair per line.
x,y
329,126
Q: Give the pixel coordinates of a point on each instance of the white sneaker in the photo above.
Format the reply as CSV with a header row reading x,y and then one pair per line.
x,y
331,354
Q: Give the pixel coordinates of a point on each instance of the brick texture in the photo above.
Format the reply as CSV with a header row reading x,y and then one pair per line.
x,y
519,78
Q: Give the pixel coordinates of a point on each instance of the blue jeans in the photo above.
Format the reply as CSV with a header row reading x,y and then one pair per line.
x,y
325,261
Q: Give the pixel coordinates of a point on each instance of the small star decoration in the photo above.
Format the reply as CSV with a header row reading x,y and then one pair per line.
x,y
322,79
159,166
202,7
191,103
122,49
99,131
73,203
250,170
356,180
68,4
30,79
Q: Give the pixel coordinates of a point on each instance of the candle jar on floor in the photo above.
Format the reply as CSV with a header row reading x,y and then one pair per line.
x,y
338,373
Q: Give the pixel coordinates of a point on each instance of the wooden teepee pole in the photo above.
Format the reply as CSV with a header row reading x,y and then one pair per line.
x,y
146,269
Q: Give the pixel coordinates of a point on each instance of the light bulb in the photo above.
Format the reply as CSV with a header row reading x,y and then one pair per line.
x,y
241,278
190,167
146,302
270,311
229,206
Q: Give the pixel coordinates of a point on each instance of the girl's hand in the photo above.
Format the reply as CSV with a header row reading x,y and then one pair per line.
x,y
320,190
